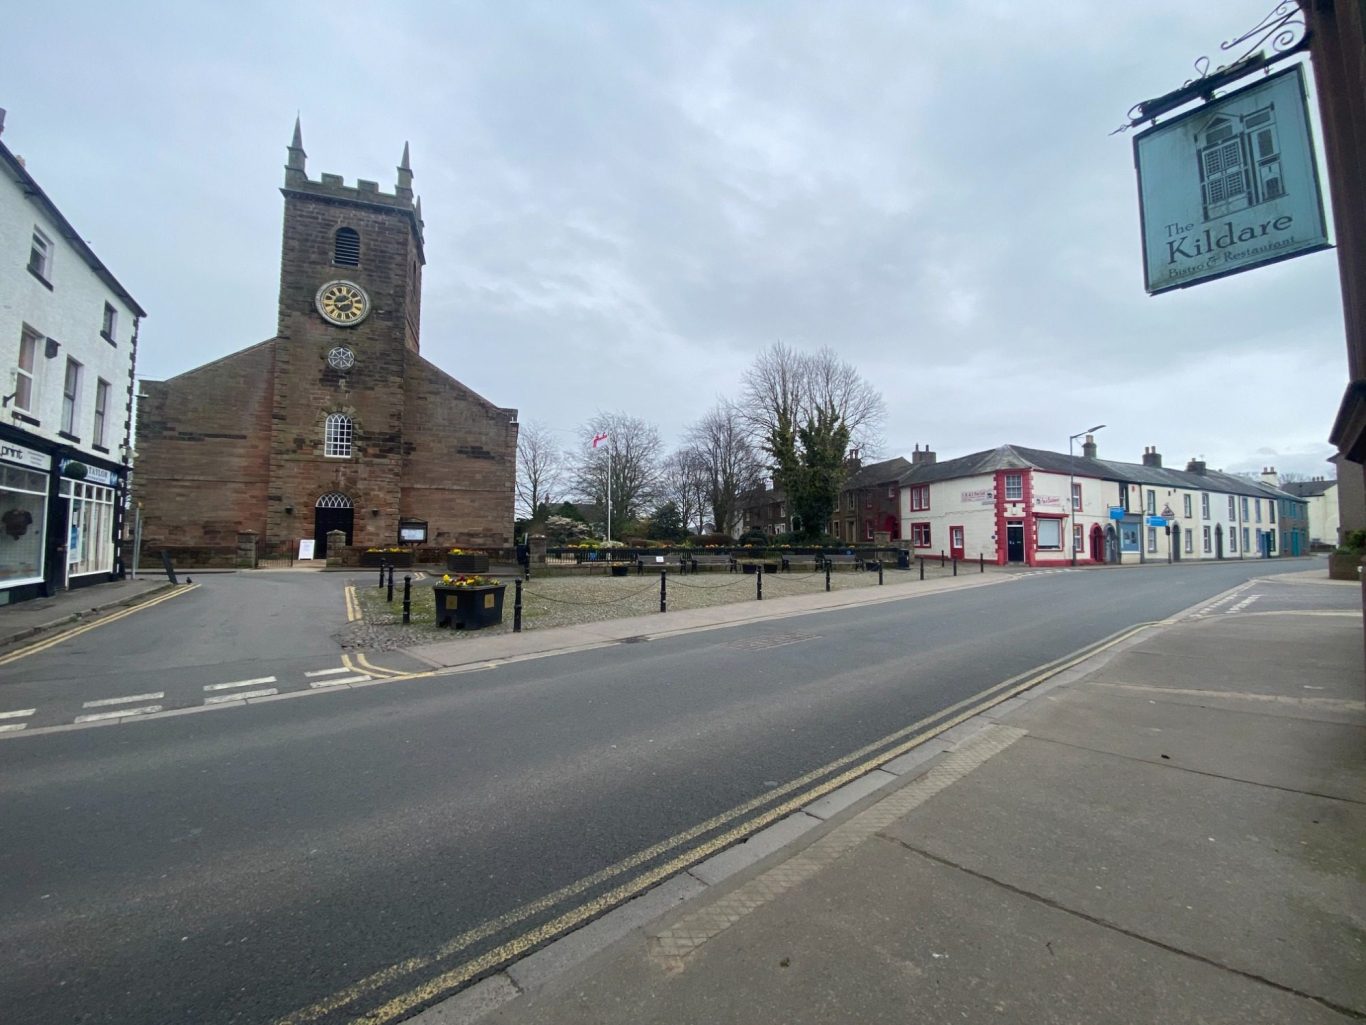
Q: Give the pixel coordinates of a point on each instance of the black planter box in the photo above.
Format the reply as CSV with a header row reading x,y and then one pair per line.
x,y
469,608
620,569
467,563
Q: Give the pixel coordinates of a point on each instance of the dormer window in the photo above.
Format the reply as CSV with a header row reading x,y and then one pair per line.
x,y
346,248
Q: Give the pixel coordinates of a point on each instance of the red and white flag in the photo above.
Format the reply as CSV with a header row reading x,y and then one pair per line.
x,y
597,438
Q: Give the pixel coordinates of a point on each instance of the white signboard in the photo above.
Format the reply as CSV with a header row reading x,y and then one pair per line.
x,y
1229,186
12,453
980,496
306,546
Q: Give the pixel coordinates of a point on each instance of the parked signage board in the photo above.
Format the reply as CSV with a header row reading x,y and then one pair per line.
x,y
1229,186
12,453
306,546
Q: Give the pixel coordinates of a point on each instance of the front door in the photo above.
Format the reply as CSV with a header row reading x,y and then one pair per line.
x,y
1097,544
333,512
1015,547
955,542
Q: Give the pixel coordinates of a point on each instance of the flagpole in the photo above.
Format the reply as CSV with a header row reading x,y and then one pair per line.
x,y
609,491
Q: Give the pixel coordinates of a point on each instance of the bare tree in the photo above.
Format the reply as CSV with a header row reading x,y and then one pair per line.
x,y
784,386
684,480
732,463
632,448
540,466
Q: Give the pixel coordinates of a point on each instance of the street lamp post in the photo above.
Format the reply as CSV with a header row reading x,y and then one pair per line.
x,y
1072,502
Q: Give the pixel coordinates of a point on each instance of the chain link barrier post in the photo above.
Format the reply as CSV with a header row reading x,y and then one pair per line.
x,y
517,607
981,563
663,591
381,572
407,597
955,565
759,582
921,560
827,576
879,572
390,598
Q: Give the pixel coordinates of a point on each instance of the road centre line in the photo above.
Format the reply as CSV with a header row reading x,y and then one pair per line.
x,y
12,727
854,765
239,695
239,683
67,635
121,713
20,713
157,696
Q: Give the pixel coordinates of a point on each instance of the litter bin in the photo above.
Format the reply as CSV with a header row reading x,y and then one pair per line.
x,y
903,558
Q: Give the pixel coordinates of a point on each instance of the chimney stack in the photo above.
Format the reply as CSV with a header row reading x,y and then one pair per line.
x,y
1088,447
1196,466
919,457
1151,457
1270,476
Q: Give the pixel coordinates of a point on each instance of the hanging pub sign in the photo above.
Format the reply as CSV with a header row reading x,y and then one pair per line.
x,y
1229,186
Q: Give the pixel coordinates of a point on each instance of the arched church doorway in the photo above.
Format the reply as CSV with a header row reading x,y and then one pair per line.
x,y
333,512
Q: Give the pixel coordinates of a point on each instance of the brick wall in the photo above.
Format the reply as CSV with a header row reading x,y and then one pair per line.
x,y
203,446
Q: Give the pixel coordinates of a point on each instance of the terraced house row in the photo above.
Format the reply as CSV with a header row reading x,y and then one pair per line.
x,y
1038,508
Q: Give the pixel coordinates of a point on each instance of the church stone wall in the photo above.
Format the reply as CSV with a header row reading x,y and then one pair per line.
x,y
203,451
460,460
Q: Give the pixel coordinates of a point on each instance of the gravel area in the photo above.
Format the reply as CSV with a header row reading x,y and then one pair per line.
x,y
552,601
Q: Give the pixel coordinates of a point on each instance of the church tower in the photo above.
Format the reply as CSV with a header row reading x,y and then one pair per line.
x,y
349,313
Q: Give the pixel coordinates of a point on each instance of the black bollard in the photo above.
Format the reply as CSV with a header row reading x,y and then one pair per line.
x,y
879,572
981,563
517,608
663,591
955,565
827,576
407,597
390,599
381,572
921,560
759,582
941,560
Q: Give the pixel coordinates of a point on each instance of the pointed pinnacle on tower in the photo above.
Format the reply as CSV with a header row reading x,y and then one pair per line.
x,y
405,176
294,166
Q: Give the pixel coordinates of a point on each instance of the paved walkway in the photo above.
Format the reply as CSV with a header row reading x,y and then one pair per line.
x,y
1173,831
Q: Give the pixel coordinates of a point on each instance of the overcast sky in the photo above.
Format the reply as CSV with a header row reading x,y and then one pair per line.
x,y
624,202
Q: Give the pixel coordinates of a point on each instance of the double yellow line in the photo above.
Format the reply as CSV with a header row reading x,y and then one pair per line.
x,y
66,635
802,790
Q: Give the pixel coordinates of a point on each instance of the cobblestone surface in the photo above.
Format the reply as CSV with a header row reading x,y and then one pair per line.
x,y
566,601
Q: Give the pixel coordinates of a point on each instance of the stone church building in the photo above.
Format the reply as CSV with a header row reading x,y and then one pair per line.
x,y
336,423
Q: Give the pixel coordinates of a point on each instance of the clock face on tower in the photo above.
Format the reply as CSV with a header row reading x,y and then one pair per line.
x,y
343,303
341,358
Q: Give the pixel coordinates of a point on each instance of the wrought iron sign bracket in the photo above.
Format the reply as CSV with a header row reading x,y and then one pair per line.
x,y
1283,28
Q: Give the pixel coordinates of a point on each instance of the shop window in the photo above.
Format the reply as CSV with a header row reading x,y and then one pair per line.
x,y
1050,535
23,519
90,544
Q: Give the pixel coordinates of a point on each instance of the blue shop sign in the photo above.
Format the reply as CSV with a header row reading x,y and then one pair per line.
x,y
1157,521
1117,512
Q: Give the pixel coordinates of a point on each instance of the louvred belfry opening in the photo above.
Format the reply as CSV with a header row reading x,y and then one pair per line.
x,y
346,248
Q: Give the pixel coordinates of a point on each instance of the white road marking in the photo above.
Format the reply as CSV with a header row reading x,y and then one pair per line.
x,y
1242,604
327,672
124,701
240,683
241,695
341,680
121,713
21,713
12,727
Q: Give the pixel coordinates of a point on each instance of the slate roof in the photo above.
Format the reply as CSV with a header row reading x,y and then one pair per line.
x,y
874,474
1018,457
1309,488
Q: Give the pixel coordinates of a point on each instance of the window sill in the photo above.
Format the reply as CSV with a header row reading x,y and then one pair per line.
x,y
69,437
108,338
32,421
45,282
100,448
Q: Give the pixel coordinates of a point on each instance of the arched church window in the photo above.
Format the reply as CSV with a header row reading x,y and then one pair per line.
x,y
346,248
337,434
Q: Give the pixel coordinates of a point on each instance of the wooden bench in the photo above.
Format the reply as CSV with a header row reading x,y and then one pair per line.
x,y
836,561
759,563
670,562
712,562
802,562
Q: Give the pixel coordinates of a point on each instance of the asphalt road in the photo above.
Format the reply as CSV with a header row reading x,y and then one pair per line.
x,y
244,866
